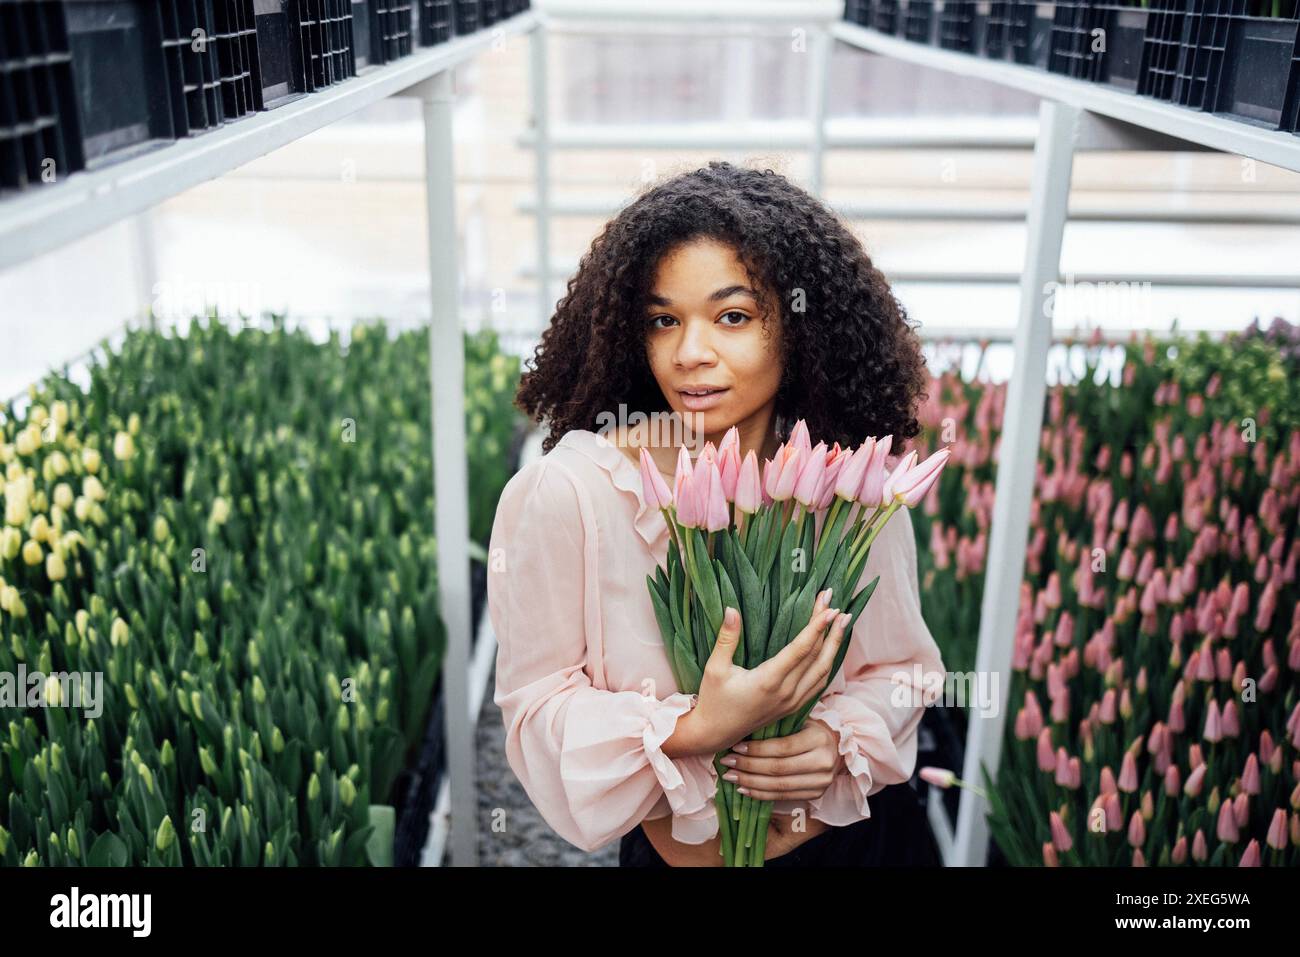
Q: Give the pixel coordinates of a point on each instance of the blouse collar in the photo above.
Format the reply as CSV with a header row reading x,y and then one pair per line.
x,y
649,522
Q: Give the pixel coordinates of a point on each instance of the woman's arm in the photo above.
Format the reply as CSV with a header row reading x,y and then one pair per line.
x,y
875,704
593,761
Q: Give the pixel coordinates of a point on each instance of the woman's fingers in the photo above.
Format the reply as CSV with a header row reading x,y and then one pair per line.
x,y
804,645
816,674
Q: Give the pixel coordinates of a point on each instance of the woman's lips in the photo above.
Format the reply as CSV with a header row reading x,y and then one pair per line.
x,y
701,403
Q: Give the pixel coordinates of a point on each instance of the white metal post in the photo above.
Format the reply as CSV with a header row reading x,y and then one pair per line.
x,y
1058,126
818,80
542,139
450,478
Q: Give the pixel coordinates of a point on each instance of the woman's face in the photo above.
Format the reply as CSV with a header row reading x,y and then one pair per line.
x,y
705,332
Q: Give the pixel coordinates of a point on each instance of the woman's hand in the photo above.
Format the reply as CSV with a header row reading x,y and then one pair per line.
x,y
735,701
797,767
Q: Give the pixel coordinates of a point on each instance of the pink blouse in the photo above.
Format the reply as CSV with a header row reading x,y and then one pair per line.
x,y
583,680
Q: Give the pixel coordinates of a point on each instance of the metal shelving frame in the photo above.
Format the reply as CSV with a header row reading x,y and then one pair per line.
x,y
1073,115
50,216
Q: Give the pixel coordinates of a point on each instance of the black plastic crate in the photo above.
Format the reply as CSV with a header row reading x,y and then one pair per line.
x,y
1126,23
466,19
40,137
390,30
1169,49
916,20
1251,62
123,105
961,24
237,57
279,54
434,21
858,12
190,59
489,12
325,31
1071,51
1018,31
884,16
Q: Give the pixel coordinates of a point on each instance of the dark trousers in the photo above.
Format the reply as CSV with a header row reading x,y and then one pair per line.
x,y
896,835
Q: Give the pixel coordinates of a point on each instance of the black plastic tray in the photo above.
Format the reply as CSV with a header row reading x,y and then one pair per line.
x,y
123,105
1018,31
434,21
40,137
466,18
1252,63
962,24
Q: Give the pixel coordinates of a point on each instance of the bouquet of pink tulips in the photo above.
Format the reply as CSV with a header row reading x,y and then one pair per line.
x,y
729,524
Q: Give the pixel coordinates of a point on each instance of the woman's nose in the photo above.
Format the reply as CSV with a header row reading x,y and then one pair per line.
x,y
695,345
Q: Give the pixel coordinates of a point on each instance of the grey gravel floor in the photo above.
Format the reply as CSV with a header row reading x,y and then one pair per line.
x,y
511,832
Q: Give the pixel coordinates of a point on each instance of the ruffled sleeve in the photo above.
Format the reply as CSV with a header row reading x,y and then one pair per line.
x,y
590,759
875,703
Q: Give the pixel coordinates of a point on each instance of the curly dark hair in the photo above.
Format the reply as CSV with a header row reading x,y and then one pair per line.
x,y
852,364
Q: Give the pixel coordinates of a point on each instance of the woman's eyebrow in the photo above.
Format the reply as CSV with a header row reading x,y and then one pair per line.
x,y
726,292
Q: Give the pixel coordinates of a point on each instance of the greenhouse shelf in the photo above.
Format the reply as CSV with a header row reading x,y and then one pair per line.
x,y
35,222
1277,148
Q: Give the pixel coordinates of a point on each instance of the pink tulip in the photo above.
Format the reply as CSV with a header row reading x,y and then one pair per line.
x,y
799,437
1250,776
1128,775
712,503
810,476
786,465
729,469
1137,830
1200,850
1251,857
939,777
850,476
919,479
1194,781
654,489
1213,723
1277,830
1114,816
1046,756
895,478
836,459
1226,831
688,513
749,490
871,494
1049,855
1060,836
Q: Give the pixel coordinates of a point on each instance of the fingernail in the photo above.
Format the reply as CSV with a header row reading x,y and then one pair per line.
x,y
844,620
731,776
742,790
729,761
742,748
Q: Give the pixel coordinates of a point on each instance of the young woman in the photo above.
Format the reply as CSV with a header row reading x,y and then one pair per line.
x,y
730,297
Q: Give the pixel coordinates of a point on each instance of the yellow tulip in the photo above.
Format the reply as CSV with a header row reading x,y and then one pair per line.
x,y
63,496
92,488
32,553
90,459
60,412
123,446
11,542
55,570
39,528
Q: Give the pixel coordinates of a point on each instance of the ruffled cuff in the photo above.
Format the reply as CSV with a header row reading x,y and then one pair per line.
x,y
690,782
845,801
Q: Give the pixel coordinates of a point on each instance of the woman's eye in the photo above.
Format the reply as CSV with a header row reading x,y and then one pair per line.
x,y
741,317
654,321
